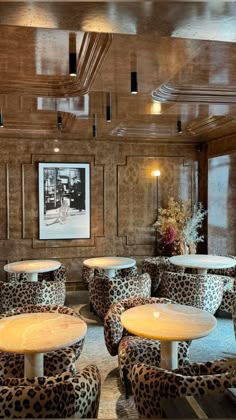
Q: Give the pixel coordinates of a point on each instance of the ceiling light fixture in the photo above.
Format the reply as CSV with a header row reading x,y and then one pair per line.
x,y
59,121
94,124
72,55
1,119
108,107
179,126
134,83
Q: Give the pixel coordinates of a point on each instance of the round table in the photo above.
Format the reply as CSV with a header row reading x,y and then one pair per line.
x,y
168,323
202,262
32,267
34,334
109,264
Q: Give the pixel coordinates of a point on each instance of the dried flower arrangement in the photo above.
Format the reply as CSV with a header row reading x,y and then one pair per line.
x,y
178,226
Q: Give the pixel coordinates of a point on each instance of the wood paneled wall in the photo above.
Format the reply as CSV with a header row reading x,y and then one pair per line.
x,y
123,197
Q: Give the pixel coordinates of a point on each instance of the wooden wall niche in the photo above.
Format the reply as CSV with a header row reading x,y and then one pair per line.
x,y
222,204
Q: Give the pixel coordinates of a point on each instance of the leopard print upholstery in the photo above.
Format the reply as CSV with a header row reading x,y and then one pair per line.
x,y
133,349
104,291
58,396
49,289
202,291
77,347
88,273
234,315
55,362
151,384
154,266
229,292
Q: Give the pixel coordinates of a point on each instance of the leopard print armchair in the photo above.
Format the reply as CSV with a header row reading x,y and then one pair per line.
x,y
198,290
154,266
234,315
88,273
229,292
77,347
133,349
104,291
49,289
151,384
58,396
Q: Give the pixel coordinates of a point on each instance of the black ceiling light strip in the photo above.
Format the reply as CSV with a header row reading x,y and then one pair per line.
x,y
179,126
1,119
108,107
94,125
72,64
59,121
134,82
72,54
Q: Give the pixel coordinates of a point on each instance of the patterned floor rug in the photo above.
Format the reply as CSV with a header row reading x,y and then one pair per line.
x,y
113,403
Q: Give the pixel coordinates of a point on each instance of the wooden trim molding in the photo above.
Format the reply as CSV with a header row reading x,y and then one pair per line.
x,y
92,53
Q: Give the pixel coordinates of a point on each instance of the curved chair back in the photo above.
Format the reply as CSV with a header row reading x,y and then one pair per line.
x,y
154,266
59,396
151,384
202,291
104,291
113,329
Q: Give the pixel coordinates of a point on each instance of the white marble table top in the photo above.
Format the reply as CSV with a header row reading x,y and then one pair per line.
x,y
169,322
203,261
32,266
109,264
40,332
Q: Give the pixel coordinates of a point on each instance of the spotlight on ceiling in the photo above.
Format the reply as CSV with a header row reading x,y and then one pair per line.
x,y
94,124
108,107
179,126
1,119
59,121
72,55
134,82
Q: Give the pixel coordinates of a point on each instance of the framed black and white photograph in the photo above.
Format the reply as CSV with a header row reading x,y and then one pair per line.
x,y
64,200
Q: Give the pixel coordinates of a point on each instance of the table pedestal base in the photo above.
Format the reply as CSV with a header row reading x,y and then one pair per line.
x,y
202,270
32,276
33,365
169,355
110,272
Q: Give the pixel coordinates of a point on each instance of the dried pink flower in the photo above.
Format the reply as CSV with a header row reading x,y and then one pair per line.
x,y
169,235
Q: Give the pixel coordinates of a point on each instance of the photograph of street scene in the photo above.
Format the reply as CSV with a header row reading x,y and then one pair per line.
x,y
64,200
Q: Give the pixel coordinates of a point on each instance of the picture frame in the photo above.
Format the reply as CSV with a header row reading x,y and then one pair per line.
x,y
64,200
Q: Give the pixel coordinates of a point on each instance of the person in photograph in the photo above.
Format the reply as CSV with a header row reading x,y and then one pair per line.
x,y
60,191
77,194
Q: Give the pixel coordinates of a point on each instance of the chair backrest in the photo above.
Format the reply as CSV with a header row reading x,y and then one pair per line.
x,y
58,396
154,266
202,291
105,291
113,329
150,384
57,275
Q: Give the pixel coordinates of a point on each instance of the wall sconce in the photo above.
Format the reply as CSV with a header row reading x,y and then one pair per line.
x,y
108,107
59,121
94,124
1,119
179,126
156,173
72,55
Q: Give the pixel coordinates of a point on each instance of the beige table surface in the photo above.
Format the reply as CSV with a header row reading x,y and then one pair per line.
x,y
109,264
168,323
36,333
202,262
32,267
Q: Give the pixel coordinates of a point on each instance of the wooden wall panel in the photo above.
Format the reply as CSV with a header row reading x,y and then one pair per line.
x,y
222,204
139,196
123,197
